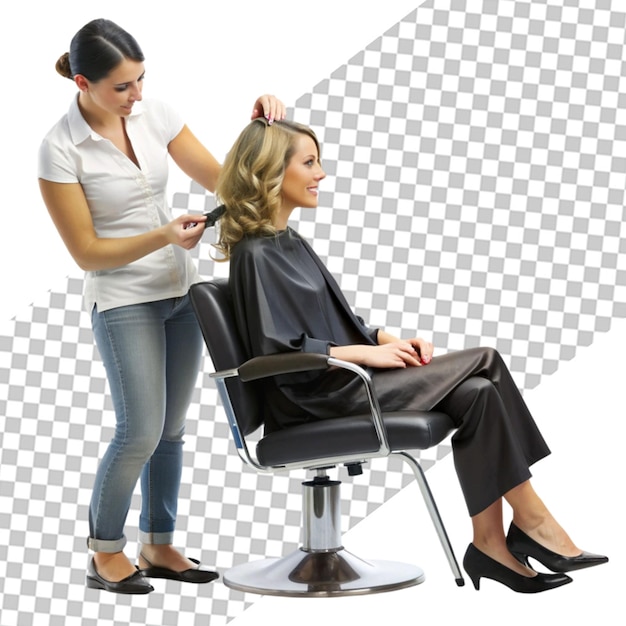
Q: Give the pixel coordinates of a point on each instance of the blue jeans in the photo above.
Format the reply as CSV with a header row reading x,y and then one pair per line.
x,y
151,353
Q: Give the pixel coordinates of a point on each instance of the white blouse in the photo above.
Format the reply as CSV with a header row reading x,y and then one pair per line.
x,y
124,200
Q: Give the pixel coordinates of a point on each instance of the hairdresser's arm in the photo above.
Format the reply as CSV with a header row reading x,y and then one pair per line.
x,y
194,159
197,162
68,208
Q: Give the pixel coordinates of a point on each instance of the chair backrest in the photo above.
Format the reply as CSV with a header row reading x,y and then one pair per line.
x,y
213,307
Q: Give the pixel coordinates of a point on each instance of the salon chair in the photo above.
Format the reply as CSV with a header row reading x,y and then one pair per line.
x,y
321,566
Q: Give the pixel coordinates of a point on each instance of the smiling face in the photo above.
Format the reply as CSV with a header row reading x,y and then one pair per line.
x,y
114,94
302,176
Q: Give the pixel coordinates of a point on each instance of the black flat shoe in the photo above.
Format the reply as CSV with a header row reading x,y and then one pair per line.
x,y
193,575
522,546
135,583
478,565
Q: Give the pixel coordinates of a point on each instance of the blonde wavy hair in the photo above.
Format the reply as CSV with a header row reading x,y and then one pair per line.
x,y
250,182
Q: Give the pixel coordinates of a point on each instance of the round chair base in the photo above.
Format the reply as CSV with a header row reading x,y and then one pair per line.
x,y
321,574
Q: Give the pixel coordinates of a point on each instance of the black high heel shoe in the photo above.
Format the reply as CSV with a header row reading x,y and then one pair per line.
x,y
522,546
478,565
135,583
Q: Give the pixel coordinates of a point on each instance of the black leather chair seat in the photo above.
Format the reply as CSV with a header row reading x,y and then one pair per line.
x,y
352,435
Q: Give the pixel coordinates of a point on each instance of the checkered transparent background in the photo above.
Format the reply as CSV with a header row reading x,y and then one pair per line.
x,y
476,160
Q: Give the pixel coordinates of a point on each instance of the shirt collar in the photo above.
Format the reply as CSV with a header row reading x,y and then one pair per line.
x,y
80,130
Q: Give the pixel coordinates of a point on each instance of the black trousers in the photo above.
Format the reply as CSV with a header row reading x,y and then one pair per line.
x,y
496,440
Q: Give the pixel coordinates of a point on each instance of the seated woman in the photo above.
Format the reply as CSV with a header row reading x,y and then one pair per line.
x,y
286,300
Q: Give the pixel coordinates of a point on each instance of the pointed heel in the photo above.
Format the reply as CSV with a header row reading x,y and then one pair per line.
x,y
475,581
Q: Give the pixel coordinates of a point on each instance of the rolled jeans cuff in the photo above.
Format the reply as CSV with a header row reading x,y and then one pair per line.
x,y
157,539
106,545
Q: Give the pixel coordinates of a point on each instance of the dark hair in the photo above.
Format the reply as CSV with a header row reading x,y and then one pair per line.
x,y
96,49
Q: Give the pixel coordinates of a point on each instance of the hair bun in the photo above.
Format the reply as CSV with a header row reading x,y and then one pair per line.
x,y
63,66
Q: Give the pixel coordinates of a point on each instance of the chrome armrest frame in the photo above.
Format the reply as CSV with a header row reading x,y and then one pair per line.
x,y
262,367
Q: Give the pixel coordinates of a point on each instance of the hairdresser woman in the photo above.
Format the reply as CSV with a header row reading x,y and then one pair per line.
x,y
102,173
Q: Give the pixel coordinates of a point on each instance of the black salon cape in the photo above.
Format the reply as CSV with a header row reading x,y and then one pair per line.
x,y
286,300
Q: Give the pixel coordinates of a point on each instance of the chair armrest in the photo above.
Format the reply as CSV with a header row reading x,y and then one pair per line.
x,y
275,364
283,363
292,362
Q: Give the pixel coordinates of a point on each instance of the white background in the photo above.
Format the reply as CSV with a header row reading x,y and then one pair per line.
x,y
210,60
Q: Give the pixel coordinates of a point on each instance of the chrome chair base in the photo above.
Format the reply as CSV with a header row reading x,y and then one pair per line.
x,y
321,574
